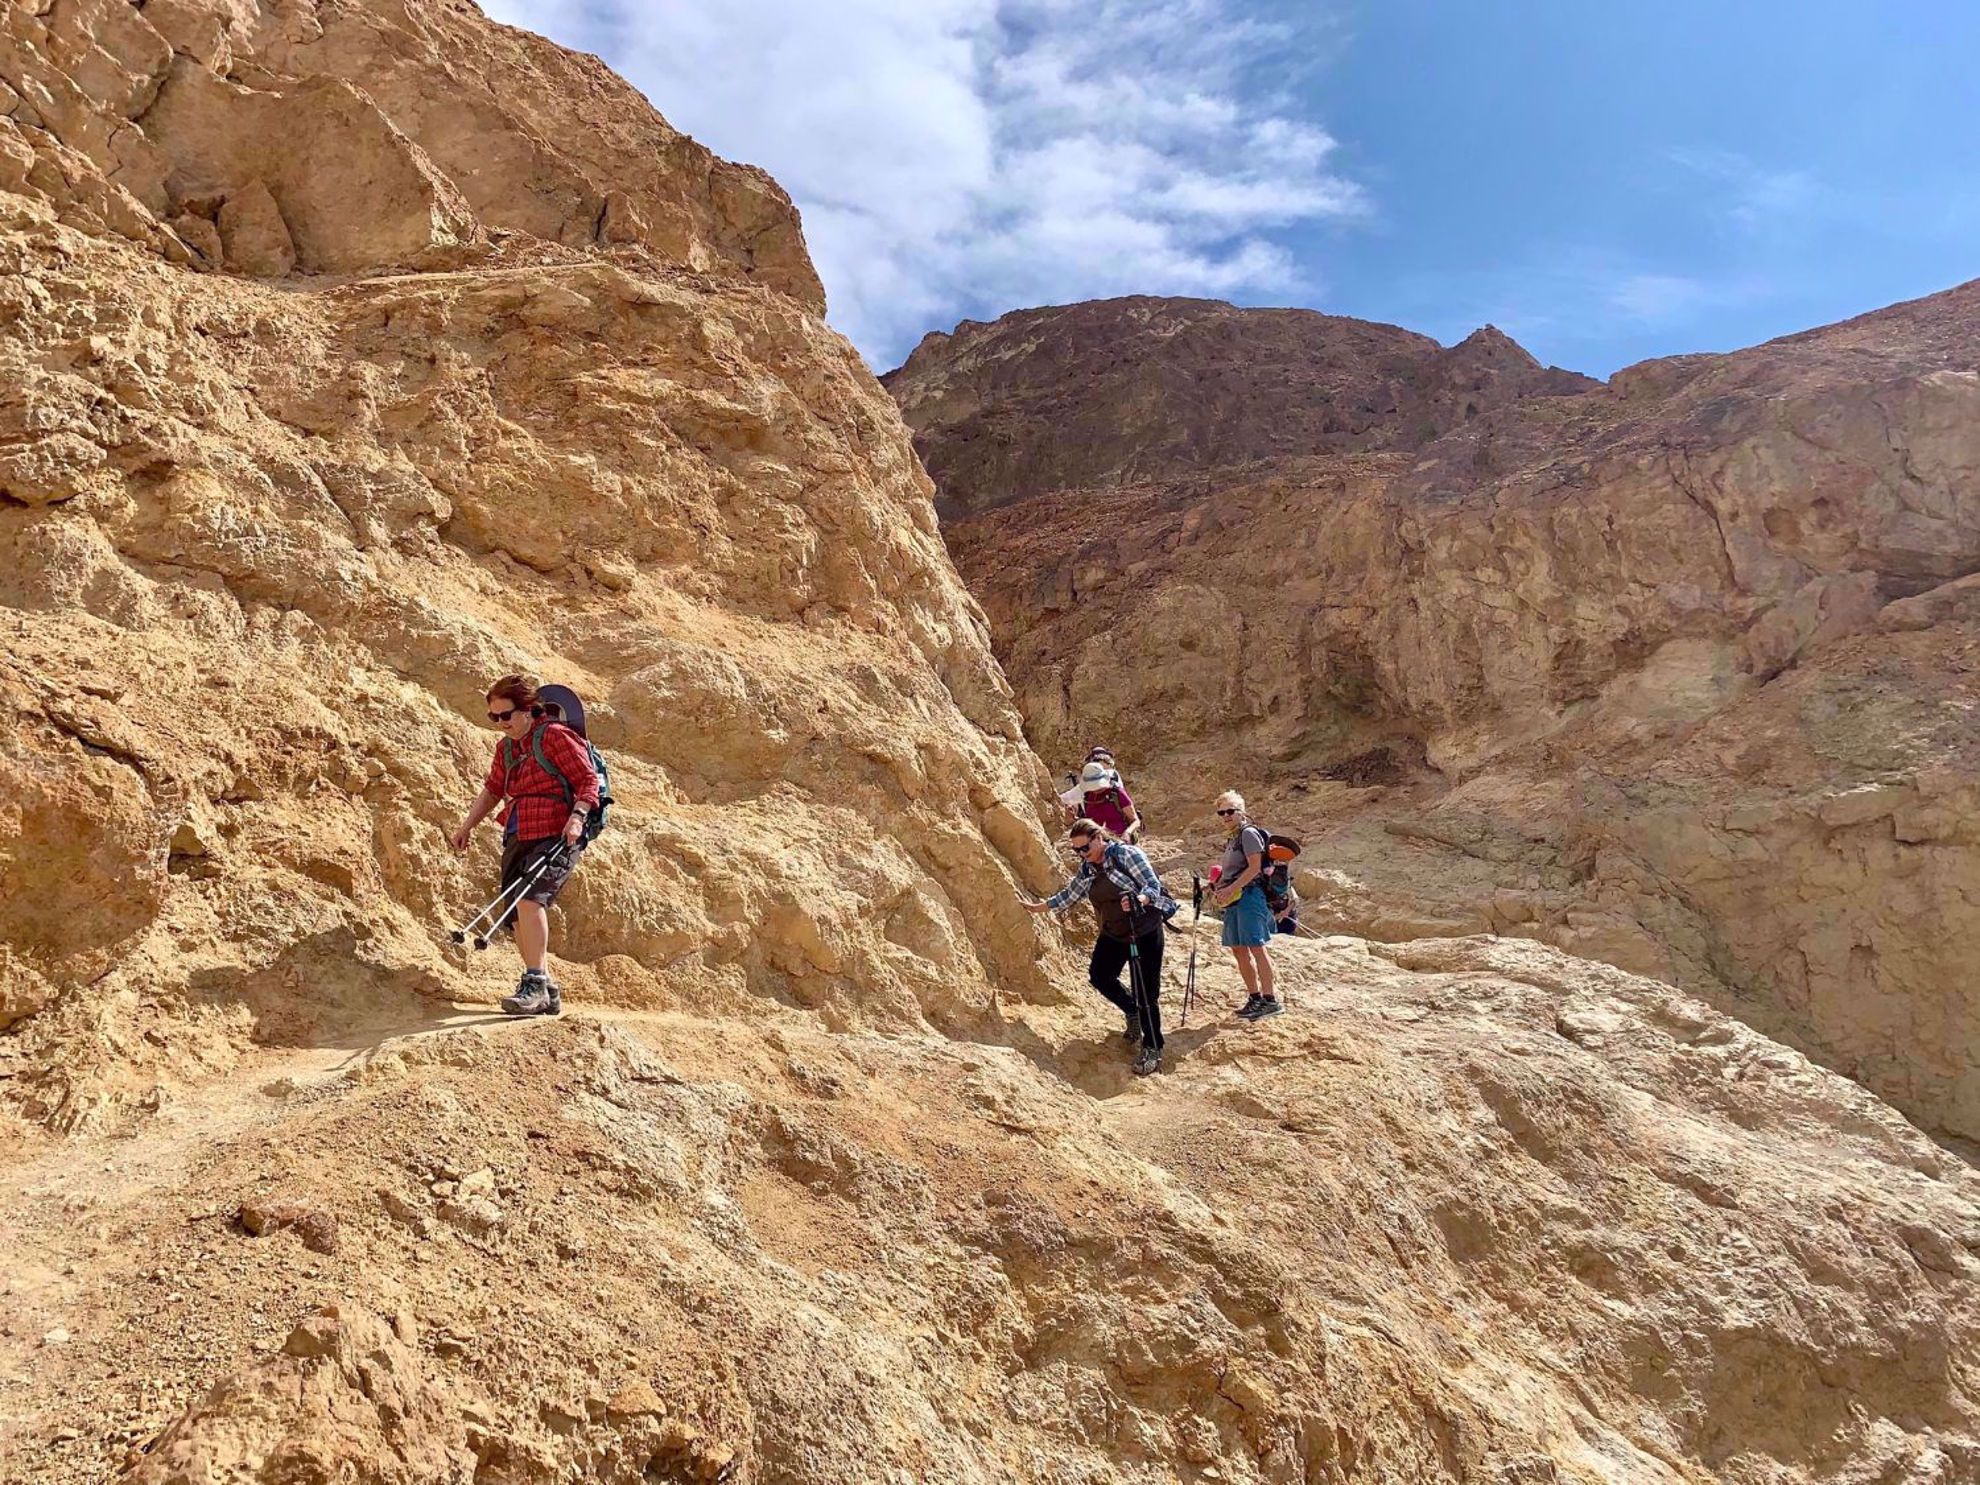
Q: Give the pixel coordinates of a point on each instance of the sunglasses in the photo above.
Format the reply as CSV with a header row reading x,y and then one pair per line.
x,y
1227,812
501,718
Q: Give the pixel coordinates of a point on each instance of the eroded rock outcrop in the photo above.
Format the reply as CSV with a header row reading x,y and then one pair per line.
x,y
265,543
1671,672
381,135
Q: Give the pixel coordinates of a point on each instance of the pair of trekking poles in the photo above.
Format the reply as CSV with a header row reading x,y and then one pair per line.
x,y
505,901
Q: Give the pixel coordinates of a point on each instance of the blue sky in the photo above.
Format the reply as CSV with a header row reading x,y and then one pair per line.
x,y
1615,181
1604,180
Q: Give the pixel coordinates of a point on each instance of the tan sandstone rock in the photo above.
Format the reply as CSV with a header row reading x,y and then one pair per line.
x,y
1473,1211
296,531
254,238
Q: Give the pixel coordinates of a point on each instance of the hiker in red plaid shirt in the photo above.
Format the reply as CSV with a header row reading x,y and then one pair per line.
x,y
545,816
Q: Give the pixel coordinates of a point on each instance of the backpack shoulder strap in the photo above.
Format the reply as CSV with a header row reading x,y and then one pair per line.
x,y
548,764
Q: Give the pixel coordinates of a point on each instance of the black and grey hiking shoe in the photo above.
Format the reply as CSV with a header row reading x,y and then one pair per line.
x,y
535,996
1250,1006
1131,1033
1268,1007
1148,1062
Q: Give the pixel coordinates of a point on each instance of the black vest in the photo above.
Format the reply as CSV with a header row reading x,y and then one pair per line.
x,y
1116,919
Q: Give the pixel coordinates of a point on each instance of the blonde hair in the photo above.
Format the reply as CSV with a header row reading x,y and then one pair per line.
x,y
1230,799
1085,829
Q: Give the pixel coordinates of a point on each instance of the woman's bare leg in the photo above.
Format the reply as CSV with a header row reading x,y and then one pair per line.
x,y
1245,970
532,933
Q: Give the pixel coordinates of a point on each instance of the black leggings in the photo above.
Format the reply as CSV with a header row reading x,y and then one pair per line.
x,y
1110,956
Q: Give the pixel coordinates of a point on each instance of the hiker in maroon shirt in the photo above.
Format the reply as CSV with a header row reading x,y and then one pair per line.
x,y
1103,799
544,818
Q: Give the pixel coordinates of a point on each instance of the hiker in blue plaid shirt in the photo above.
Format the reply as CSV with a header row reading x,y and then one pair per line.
x,y
1132,906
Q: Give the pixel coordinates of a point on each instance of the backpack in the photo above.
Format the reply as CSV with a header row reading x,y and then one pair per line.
x,y
1276,875
595,821
570,713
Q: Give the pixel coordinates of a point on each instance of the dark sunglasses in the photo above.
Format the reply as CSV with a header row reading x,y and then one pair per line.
x,y
502,718
1227,812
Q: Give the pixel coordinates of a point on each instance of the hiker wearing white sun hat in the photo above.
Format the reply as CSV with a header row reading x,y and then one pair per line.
x,y
1098,794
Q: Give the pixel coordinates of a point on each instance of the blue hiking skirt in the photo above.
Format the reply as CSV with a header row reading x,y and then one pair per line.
x,y
1248,921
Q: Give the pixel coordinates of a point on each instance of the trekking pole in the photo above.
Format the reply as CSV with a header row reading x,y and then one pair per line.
x,y
1141,1007
460,935
1189,980
1144,997
497,904
505,900
544,862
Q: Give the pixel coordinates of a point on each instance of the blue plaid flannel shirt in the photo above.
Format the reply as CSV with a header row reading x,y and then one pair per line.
x,y
1129,870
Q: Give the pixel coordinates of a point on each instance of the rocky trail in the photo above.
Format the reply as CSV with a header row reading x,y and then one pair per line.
x,y
632,1242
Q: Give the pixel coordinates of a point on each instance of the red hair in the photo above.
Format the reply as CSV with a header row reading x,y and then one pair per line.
x,y
519,690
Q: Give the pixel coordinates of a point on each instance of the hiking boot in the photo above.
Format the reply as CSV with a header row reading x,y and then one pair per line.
x,y
1131,1033
1250,1006
535,996
1267,1008
1149,1061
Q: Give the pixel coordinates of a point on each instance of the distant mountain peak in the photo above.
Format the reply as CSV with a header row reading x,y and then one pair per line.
x,y
1112,390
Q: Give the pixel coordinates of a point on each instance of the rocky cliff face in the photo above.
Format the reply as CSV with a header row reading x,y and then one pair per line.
x,y
355,355
1122,390
357,351
1670,672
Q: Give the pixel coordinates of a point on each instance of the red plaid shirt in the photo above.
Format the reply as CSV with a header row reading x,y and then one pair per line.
x,y
536,800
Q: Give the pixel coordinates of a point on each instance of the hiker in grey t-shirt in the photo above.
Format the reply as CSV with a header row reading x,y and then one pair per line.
x,y
1248,925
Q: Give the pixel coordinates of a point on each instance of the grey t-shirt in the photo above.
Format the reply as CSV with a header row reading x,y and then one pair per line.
x,y
1249,841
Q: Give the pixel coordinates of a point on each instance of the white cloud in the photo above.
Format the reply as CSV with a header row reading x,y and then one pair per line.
x,y
1757,198
964,157
1656,298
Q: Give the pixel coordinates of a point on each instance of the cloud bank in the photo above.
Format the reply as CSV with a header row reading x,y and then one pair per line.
x,y
959,158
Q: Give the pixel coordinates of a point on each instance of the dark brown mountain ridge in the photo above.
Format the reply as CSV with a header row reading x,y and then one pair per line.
x,y
1119,390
